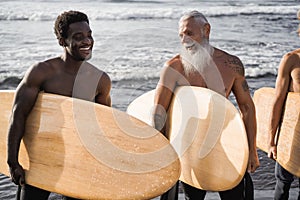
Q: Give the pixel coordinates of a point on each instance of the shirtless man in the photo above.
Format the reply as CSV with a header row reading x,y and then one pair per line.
x,y
288,80
57,75
200,64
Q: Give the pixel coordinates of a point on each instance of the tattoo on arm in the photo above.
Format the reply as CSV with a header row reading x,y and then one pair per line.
x,y
236,65
245,85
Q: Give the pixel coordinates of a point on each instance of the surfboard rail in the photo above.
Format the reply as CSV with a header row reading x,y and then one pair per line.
x,y
288,137
207,133
90,151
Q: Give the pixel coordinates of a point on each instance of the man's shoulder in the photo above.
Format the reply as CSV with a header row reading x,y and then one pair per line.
x,y
231,61
95,70
225,55
47,64
296,51
174,62
39,72
295,54
289,61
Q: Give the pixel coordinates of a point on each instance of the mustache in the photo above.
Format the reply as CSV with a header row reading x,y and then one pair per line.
x,y
189,44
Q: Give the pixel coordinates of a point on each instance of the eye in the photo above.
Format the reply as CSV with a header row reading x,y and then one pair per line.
x,y
90,36
189,33
78,37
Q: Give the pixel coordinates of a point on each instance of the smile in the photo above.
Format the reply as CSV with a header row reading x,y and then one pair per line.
x,y
189,46
85,48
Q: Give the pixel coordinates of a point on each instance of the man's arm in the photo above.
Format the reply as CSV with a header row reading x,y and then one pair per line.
x,y
247,108
25,97
104,88
281,90
164,92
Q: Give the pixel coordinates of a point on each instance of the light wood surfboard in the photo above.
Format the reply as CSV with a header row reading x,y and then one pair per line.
x,y
208,134
89,151
288,136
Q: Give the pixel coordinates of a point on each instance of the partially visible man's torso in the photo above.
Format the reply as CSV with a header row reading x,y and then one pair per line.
x,y
295,74
228,74
61,81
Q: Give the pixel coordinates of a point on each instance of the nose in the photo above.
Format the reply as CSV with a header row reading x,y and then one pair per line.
x,y
88,40
186,39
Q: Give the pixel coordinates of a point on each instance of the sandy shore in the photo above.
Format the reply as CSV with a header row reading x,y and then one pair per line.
x,y
258,195
7,193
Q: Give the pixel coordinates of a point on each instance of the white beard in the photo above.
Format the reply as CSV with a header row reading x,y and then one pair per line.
x,y
197,57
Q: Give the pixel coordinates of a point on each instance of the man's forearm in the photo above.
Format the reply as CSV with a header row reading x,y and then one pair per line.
x,y
159,122
15,135
248,116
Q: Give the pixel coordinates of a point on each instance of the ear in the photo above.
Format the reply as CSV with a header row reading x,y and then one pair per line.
x,y
206,30
62,42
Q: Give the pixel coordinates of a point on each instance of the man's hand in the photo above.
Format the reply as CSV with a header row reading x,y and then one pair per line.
x,y
253,163
272,152
17,174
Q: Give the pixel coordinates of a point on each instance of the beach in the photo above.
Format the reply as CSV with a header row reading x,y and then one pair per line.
x,y
133,40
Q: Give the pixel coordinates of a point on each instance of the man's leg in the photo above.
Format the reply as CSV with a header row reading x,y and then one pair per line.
x,y
29,192
284,180
171,194
299,188
192,193
237,193
243,191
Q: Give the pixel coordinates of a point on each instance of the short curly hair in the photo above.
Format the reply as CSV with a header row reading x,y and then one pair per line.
x,y
63,21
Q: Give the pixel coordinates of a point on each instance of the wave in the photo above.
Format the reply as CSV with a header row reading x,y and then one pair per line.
x,y
10,83
261,75
132,11
135,1
141,74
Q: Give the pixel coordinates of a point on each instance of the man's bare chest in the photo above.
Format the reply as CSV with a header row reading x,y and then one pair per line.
x,y
61,84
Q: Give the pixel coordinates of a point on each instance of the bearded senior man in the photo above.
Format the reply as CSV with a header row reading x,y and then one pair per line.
x,y
200,64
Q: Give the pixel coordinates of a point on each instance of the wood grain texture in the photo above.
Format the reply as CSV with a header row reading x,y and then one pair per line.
x,y
208,134
90,151
288,142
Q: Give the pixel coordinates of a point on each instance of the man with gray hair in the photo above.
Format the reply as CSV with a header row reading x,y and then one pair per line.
x,y
202,65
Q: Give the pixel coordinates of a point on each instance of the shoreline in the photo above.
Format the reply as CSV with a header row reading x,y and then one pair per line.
x,y
7,192
258,195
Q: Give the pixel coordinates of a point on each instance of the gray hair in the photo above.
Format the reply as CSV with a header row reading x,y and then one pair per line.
x,y
298,14
199,17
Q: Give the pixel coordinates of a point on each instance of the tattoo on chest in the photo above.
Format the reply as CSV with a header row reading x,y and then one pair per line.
x,y
236,65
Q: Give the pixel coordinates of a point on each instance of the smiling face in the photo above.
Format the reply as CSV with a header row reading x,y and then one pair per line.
x,y
79,43
192,31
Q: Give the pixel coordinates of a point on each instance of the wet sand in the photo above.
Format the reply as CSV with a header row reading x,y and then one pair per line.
x,y
7,192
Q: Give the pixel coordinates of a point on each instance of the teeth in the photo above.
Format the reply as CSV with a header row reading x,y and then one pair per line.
x,y
87,48
188,46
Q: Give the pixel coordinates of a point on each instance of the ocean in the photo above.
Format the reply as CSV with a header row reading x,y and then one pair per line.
x,y
134,38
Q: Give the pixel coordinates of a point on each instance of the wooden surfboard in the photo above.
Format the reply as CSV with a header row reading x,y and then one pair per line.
x,y
89,151
208,134
288,142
